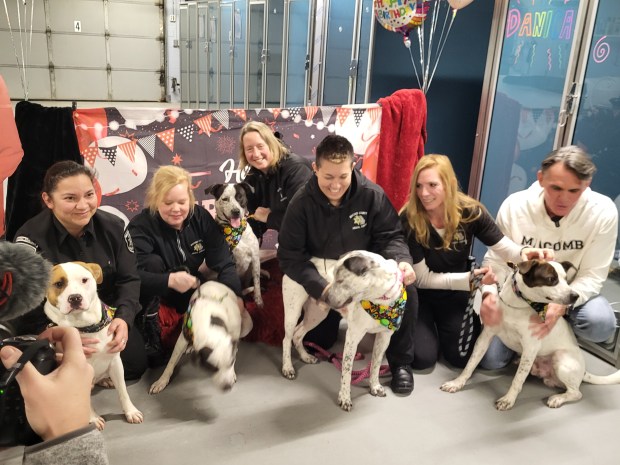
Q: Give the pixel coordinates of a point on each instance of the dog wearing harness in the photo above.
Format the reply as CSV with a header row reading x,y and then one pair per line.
x,y
72,300
231,208
556,358
368,291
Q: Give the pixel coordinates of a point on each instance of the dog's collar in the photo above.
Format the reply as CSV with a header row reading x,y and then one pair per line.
x,y
539,307
107,314
188,324
233,235
390,316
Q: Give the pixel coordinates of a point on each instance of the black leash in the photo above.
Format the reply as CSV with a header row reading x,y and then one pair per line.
x,y
467,327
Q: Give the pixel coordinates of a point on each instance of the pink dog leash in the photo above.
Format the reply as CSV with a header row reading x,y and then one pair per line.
x,y
357,376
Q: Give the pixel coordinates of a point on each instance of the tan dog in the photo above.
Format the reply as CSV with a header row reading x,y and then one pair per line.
x,y
72,300
556,358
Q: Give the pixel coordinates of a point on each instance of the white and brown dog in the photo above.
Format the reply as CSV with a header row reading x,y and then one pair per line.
x,y
211,330
72,300
231,209
556,358
368,291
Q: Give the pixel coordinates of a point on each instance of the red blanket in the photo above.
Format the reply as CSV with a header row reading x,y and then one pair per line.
x,y
401,144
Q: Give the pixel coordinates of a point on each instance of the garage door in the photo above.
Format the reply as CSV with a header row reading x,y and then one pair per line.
x,y
111,50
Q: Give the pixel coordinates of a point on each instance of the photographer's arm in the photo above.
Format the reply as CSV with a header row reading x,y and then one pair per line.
x,y
58,404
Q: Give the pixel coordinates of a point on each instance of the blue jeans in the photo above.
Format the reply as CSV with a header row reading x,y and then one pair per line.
x,y
593,321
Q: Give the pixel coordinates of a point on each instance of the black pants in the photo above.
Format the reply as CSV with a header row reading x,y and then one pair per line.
x,y
438,328
400,350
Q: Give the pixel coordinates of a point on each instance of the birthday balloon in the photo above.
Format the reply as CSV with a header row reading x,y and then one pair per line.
x,y
401,15
458,4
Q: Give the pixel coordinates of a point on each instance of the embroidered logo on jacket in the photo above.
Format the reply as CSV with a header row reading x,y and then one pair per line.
x,y
197,247
574,244
359,220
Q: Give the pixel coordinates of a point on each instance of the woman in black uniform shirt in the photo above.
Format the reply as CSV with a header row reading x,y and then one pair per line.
x,y
275,174
72,229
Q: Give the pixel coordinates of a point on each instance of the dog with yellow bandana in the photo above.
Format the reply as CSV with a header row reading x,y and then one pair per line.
x,y
231,209
368,291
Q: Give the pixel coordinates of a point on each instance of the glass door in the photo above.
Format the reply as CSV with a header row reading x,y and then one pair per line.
x,y
239,46
298,25
226,48
597,100
207,55
189,58
272,60
535,48
257,54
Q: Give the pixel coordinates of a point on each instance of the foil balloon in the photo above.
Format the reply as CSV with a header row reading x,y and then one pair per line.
x,y
400,16
458,4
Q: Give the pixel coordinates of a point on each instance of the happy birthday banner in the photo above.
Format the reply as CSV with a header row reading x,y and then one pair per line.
x,y
125,146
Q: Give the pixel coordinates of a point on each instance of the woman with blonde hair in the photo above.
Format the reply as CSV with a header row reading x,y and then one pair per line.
x,y
440,224
275,174
173,236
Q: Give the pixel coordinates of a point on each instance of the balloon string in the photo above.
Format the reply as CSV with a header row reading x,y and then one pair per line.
x,y
414,67
442,43
8,20
431,35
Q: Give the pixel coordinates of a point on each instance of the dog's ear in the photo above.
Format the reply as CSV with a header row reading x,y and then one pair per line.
x,y
567,266
526,266
357,265
95,270
511,265
249,190
215,190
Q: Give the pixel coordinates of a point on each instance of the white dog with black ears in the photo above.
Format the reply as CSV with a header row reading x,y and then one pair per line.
x,y
231,209
368,291
211,330
557,357
72,300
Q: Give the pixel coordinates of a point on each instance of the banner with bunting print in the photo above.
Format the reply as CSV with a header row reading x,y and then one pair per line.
x,y
125,146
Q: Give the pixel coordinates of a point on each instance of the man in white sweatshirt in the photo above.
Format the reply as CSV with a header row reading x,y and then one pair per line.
x,y
560,212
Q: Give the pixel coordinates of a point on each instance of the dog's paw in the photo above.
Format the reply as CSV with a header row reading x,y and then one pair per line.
x,y
378,391
504,403
289,373
345,403
451,386
98,421
307,358
106,383
134,416
158,386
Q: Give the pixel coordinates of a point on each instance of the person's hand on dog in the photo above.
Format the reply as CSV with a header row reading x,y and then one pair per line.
x,y
182,281
87,342
120,331
541,328
488,277
59,402
490,313
261,214
408,273
531,253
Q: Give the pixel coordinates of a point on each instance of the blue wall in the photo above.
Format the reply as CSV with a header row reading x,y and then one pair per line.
x,y
454,96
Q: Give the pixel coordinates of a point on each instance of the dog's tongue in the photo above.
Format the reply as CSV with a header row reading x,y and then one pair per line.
x,y
235,222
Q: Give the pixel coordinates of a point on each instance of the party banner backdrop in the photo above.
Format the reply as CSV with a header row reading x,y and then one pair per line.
x,y
125,146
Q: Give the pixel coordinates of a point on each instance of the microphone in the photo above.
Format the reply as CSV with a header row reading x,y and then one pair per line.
x,y
24,279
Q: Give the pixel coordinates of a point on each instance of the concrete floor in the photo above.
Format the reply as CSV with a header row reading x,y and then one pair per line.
x,y
267,419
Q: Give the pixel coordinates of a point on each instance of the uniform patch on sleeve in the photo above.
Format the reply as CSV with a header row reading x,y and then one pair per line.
x,y
128,241
27,241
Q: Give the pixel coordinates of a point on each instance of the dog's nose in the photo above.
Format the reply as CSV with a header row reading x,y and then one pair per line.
x,y
75,300
573,297
235,212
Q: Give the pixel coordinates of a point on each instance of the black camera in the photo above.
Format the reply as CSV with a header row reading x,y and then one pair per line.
x,y
14,427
